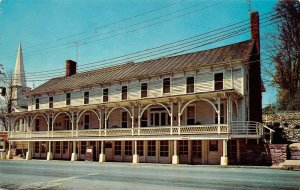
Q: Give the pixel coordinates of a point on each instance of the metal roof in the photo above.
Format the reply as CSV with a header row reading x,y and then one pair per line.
x,y
129,71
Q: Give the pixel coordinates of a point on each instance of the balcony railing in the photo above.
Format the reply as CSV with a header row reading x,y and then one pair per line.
x,y
237,128
115,132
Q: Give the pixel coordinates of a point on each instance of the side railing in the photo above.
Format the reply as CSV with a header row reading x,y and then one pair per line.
x,y
114,132
252,128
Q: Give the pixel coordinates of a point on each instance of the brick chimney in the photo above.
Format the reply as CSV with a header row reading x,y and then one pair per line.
x,y
254,24
70,68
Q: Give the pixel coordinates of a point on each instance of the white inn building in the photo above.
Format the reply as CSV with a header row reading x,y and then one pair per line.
x,y
196,108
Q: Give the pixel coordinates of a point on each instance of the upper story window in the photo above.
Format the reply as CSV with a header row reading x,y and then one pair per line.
x,y
105,95
51,102
37,103
166,85
144,90
218,81
124,92
86,98
68,99
190,84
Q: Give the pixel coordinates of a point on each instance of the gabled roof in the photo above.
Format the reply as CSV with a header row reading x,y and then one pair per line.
x,y
128,71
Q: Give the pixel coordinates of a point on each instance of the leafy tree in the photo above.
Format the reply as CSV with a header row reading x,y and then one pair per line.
x,y
286,44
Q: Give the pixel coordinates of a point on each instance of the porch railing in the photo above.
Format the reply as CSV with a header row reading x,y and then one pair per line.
x,y
114,132
239,128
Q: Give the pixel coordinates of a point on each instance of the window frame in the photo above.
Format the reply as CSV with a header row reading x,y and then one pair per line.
x,y
124,93
37,103
51,100
105,95
164,148
68,99
118,148
151,148
216,82
165,89
190,88
128,148
86,97
144,93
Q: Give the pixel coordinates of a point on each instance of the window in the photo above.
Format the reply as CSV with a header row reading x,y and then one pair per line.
x,y
67,123
37,147
197,148
118,148
86,98
164,148
37,124
222,113
144,90
43,147
86,122
57,147
128,148
124,92
83,147
144,120
68,99
213,145
140,148
105,95
166,85
51,102
190,115
124,120
218,81
183,148
65,147
190,85
151,148
37,104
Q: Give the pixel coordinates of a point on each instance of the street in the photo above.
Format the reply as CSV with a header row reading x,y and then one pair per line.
x,y
62,175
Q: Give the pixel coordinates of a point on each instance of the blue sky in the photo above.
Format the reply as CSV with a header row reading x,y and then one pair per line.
x,y
49,30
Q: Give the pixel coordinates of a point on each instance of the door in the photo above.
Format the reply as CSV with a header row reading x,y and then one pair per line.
x,y
108,151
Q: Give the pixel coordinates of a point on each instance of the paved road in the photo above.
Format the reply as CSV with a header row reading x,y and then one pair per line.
x,y
63,175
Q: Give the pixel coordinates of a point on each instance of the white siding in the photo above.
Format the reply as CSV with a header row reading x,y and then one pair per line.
x,y
204,82
134,90
178,85
238,80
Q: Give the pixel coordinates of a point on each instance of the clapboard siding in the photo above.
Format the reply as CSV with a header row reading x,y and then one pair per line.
x,y
204,82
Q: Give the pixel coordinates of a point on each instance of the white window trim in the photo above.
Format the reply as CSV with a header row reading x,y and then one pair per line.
x,y
162,89
84,97
185,84
217,72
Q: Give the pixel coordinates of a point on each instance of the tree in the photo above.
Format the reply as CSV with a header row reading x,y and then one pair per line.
x,y
285,43
6,100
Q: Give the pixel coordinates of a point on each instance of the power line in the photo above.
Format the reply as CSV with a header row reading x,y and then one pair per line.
x,y
159,47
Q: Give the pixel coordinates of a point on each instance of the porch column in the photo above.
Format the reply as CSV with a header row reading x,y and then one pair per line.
x,y
171,114
179,114
132,120
102,154
49,154
219,111
72,123
224,158
175,158
29,151
74,154
135,157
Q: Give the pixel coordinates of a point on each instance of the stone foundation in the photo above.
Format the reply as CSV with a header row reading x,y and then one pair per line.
x,y
278,152
294,151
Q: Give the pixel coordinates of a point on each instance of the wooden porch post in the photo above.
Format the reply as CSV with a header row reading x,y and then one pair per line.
x,y
135,157
224,158
102,154
49,153
175,158
74,153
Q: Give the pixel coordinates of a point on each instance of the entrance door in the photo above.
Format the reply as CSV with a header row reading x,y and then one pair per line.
x,y
108,151
159,118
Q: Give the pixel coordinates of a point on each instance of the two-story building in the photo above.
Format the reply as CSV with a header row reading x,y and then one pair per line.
x,y
196,108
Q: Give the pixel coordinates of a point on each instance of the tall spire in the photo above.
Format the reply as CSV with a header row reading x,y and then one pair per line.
x,y
19,73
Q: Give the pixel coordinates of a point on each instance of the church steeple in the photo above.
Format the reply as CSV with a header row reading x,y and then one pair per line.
x,y
19,73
